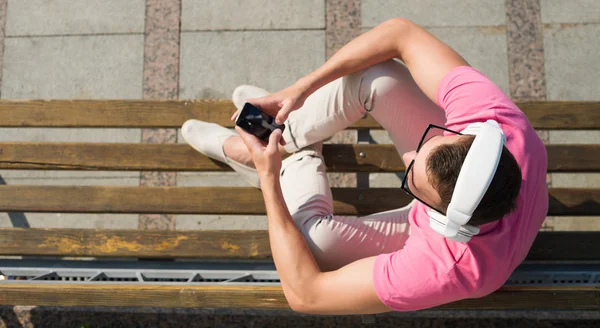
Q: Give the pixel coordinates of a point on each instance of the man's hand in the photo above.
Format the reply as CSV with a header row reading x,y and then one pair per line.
x,y
267,159
280,104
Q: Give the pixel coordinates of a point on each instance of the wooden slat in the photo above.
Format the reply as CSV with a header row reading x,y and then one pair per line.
x,y
573,158
178,200
170,114
174,157
224,200
574,201
566,246
567,115
225,244
264,297
120,113
180,157
137,243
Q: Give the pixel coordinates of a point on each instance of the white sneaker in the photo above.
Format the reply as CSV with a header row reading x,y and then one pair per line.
x,y
245,92
208,139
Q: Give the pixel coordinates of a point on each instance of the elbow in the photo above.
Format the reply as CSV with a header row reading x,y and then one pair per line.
x,y
399,23
303,307
301,303
298,306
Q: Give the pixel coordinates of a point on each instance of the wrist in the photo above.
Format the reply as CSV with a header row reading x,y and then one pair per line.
x,y
306,85
268,178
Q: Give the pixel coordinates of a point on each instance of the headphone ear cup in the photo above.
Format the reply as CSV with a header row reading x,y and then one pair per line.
x,y
437,222
443,226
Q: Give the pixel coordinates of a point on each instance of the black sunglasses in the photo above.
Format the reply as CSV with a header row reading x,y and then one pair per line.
x,y
406,175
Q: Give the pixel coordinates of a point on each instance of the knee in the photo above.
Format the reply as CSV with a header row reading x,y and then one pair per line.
x,y
318,234
382,81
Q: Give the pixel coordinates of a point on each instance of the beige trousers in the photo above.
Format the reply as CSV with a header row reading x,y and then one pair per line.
x,y
388,92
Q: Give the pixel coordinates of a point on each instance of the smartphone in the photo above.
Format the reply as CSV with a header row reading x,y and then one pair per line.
x,y
256,122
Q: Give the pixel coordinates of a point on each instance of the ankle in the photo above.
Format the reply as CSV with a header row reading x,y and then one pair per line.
x,y
235,149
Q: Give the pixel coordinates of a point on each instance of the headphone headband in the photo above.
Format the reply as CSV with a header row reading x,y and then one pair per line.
x,y
473,181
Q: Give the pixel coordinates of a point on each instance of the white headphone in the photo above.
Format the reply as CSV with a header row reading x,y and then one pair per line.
x,y
473,181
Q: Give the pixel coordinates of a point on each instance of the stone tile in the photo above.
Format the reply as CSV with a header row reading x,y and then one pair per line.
x,y
548,224
343,19
160,136
3,6
70,135
70,178
575,180
203,15
591,137
161,76
210,179
180,139
161,49
73,220
64,17
385,180
544,135
573,11
214,63
434,13
343,180
91,67
157,179
380,137
525,50
576,223
483,47
157,221
571,51
221,222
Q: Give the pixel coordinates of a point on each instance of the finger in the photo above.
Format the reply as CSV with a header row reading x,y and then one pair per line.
x,y
258,102
265,104
283,113
274,138
253,143
282,141
235,115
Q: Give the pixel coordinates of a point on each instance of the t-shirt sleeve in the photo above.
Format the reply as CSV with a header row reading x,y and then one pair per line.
x,y
467,96
412,279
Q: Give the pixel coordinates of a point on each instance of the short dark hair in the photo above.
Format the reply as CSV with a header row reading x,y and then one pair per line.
x,y
444,164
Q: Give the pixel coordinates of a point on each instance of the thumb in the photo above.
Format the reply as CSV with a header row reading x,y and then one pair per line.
x,y
235,115
273,145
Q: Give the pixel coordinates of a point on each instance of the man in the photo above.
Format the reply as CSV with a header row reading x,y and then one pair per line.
x,y
396,260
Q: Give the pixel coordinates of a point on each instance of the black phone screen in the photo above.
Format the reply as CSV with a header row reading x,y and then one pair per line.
x,y
256,122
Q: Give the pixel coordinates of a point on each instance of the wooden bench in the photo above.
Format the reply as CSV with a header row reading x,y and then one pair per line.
x,y
561,271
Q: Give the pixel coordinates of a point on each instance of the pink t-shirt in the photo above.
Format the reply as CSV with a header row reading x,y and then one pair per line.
x,y
431,270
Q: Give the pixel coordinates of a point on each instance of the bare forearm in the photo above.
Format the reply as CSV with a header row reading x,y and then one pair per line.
x,y
428,58
375,46
295,263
